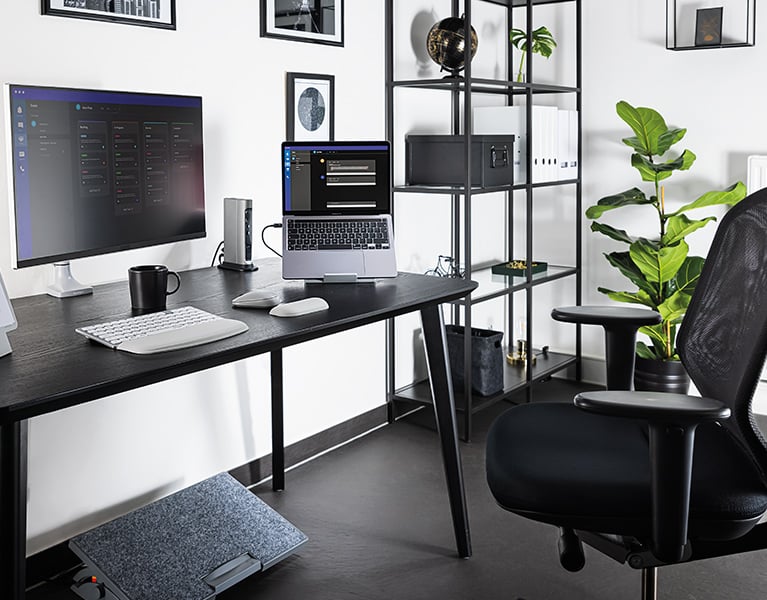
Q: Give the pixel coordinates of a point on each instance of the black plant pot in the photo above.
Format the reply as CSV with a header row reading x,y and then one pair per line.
x,y
660,376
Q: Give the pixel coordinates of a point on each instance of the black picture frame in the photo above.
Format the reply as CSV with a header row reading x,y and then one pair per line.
x,y
315,21
309,107
110,11
708,26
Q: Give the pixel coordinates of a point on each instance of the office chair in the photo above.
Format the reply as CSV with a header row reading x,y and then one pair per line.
x,y
648,478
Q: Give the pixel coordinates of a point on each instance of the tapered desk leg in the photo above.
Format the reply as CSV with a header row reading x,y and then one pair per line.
x,y
444,410
278,438
13,510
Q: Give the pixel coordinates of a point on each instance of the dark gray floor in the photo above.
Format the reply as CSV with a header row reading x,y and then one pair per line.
x,y
379,527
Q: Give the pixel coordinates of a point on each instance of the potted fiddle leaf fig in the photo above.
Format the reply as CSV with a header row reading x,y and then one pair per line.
x,y
542,43
660,266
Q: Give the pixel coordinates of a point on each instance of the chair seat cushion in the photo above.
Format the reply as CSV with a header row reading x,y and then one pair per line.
x,y
556,463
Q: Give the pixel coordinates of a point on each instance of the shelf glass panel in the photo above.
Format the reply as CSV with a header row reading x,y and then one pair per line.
x,y
521,3
720,46
449,189
494,286
487,86
459,189
514,379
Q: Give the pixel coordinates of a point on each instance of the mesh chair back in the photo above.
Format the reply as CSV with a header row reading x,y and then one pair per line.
x,y
723,338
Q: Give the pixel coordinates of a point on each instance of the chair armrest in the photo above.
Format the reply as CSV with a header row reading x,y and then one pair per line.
x,y
672,420
620,324
607,316
654,407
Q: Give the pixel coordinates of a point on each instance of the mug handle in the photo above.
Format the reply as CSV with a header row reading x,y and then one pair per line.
x,y
178,283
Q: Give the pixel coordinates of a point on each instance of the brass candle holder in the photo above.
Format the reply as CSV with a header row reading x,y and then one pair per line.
x,y
521,357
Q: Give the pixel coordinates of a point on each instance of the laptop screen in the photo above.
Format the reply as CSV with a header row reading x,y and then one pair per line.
x,y
336,178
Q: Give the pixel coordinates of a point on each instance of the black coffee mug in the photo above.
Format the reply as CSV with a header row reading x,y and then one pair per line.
x,y
149,287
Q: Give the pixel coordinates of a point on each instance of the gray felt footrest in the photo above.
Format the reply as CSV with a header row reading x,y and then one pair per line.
x,y
193,544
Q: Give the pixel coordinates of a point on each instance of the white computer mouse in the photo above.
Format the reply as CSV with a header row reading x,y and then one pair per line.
x,y
257,299
299,307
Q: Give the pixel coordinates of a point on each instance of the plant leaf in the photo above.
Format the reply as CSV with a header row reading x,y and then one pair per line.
x,y
669,138
519,39
622,261
674,307
543,41
647,125
658,265
657,337
646,170
688,274
618,235
730,196
679,227
640,297
632,196
651,171
645,352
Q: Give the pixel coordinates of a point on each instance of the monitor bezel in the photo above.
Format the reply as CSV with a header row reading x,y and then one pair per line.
x,y
11,181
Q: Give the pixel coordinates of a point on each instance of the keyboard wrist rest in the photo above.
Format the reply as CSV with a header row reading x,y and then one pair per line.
x,y
184,337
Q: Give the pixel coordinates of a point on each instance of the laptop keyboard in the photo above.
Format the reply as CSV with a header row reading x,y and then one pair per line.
x,y
341,234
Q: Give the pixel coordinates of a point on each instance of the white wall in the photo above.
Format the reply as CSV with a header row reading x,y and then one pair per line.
x,y
90,463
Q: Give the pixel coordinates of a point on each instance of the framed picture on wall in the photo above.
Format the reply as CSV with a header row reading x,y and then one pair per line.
x,y
150,13
318,21
310,107
708,26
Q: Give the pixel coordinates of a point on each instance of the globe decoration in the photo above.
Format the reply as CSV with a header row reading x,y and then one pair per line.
x,y
445,44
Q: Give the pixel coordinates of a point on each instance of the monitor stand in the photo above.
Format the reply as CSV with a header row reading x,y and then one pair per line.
x,y
64,285
5,345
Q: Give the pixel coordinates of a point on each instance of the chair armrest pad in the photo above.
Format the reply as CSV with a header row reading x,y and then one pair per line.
x,y
607,316
654,407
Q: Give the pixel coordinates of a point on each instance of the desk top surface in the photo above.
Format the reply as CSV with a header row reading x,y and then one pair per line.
x,y
52,367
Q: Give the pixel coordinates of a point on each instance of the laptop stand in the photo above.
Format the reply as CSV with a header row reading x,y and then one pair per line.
x,y
193,545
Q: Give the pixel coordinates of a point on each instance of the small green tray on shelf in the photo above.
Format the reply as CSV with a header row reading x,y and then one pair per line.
x,y
517,268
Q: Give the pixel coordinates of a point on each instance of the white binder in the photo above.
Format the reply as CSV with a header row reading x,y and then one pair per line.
x,y
512,120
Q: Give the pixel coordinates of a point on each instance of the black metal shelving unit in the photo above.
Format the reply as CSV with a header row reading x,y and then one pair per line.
x,y
491,286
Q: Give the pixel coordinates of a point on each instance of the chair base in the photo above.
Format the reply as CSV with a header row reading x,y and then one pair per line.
x,y
650,583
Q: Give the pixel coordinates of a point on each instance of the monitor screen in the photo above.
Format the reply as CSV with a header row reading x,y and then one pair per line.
x,y
98,171
336,177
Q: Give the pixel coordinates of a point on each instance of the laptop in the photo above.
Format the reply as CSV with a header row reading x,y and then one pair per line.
x,y
336,223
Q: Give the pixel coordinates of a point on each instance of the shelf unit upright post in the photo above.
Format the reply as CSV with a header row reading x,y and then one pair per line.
x,y
466,259
462,88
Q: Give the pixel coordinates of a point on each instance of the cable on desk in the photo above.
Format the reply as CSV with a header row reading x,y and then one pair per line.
x,y
276,226
218,252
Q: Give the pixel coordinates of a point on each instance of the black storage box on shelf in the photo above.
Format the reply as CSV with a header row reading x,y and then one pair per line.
x,y
441,160
486,359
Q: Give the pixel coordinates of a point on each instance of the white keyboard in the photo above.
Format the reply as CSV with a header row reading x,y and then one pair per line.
x,y
163,331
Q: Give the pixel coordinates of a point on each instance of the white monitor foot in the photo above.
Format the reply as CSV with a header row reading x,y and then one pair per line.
x,y
5,345
64,285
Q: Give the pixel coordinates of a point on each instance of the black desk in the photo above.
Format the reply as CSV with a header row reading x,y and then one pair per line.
x,y
52,368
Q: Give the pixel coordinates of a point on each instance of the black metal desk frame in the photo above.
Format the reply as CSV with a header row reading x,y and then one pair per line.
x,y
52,368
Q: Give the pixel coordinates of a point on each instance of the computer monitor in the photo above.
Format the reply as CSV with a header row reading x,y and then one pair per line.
x,y
95,171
